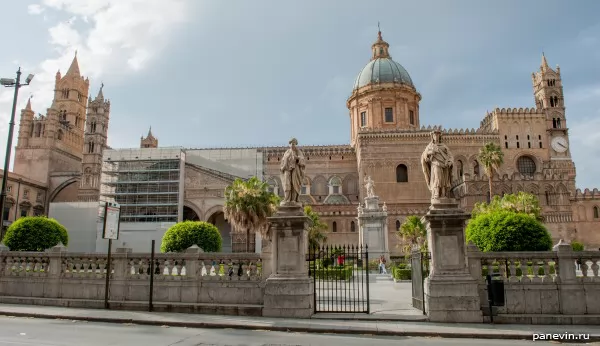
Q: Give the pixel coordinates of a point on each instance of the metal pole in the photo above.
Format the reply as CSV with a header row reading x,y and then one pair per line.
x,y
108,271
11,126
151,294
368,298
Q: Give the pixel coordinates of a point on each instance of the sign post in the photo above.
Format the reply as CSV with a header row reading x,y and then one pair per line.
x,y
110,231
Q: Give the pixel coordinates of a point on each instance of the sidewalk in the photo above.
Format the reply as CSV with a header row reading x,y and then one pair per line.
x,y
389,328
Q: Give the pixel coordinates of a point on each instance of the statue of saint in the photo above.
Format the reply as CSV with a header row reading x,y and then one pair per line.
x,y
437,162
369,185
292,173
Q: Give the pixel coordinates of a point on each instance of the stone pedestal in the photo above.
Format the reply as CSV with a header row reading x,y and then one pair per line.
x,y
289,291
373,231
451,293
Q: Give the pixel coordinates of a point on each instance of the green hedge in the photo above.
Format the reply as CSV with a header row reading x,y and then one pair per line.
x,y
333,273
401,273
518,271
182,235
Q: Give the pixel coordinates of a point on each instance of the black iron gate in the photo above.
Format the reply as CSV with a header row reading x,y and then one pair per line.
x,y
341,278
419,264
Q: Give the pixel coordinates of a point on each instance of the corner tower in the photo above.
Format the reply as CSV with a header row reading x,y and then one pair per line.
x,y
150,141
384,96
549,97
96,137
54,142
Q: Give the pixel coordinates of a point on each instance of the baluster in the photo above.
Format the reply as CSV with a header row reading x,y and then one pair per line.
x,y
144,270
584,268
536,270
212,270
502,263
547,276
28,266
513,271
162,263
204,268
135,267
524,270
179,267
595,267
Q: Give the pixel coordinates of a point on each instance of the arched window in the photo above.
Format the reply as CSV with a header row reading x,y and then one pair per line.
x,y
476,168
335,185
397,225
334,227
352,226
38,130
526,165
459,168
401,174
596,212
93,127
90,147
59,135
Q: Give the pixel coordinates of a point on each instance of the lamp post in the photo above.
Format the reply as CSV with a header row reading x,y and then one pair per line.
x,y
10,83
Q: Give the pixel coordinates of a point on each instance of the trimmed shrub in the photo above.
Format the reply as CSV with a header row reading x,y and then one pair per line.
x,y
505,230
577,246
333,273
401,273
35,233
182,235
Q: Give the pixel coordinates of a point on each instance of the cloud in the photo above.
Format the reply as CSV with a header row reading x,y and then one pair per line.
x,y
112,37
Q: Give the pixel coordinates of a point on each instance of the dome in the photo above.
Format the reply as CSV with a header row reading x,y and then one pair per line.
x,y
382,70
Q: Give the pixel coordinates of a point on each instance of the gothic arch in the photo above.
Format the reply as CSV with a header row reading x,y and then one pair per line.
x,y
59,188
529,154
213,210
532,189
350,184
194,208
319,186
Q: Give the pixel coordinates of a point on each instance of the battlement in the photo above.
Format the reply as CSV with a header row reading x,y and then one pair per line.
x,y
510,113
428,129
593,194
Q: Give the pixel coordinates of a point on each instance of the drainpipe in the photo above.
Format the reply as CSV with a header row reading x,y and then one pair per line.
x,y
17,202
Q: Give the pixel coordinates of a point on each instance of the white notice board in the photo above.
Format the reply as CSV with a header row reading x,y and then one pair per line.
x,y
111,222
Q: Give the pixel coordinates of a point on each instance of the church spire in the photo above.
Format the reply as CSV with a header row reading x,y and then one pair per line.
x,y
380,47
544,64
100,93
28,106
74,68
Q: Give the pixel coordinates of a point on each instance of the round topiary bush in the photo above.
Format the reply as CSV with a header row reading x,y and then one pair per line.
x,y
577,246
35,233
505,230
188,233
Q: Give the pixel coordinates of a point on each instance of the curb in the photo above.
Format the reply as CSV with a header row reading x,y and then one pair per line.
x,y
310,330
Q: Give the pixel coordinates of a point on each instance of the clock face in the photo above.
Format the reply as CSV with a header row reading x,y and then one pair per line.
x,y
560,144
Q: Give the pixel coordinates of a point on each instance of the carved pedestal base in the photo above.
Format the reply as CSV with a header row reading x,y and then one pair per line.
x,y
289,290
451,293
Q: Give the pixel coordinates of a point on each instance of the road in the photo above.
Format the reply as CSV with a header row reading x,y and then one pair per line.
x,y
45,332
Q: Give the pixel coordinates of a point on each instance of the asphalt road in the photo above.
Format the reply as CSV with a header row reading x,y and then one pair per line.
x,y
45,332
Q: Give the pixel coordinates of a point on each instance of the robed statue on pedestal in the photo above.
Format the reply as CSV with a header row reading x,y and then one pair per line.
x,y
292,173
437,162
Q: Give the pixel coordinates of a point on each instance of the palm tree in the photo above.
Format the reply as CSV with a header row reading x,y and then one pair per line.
x,y
248,204
316,234
413,233
491,157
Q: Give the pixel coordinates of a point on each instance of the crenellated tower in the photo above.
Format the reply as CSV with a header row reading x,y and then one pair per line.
x,y
53,143
96,139
150,141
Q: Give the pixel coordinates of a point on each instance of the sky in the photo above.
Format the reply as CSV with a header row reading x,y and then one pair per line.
x,y
254,73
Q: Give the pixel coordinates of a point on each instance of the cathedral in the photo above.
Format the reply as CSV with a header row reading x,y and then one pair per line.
x,y
61,153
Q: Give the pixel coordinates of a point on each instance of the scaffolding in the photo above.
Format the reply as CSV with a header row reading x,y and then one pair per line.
x,y
144,182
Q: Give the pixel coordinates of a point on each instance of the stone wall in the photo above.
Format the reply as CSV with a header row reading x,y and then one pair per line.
x,y
193,281
554,290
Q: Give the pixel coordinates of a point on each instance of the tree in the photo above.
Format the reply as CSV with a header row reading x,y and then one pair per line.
x,y
248,204
182,235
35,233
506,230
413,233
522,202
316,234
491,157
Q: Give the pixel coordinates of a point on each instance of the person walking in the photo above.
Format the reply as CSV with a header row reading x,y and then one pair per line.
x,y
382,269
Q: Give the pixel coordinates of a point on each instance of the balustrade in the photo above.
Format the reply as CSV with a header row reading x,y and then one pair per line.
x,y
24,264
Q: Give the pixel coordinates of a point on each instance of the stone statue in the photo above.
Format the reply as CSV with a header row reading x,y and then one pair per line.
x,y
359,208
369,185
437,162
384,208
292,173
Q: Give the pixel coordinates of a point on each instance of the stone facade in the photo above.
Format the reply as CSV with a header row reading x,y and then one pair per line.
x,y
386,140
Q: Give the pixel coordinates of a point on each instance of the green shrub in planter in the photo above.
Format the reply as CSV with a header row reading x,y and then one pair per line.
x,y
35,233
333,273
402,273
401,266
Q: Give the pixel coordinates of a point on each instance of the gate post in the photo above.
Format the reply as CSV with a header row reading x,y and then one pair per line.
x,y
289,291
451,293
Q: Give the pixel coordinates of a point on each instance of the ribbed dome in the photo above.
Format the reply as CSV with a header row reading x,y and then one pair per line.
x,y
382,70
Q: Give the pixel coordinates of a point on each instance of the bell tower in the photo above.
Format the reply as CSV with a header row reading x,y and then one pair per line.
x,y
54,142
96,137
549,97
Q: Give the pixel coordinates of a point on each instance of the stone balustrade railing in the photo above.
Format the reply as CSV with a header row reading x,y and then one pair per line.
x,y
225,283
541,285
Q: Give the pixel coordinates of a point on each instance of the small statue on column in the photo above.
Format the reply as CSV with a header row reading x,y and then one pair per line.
x,y
369,185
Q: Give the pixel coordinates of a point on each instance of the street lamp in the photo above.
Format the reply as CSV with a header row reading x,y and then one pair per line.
x,y
10,83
